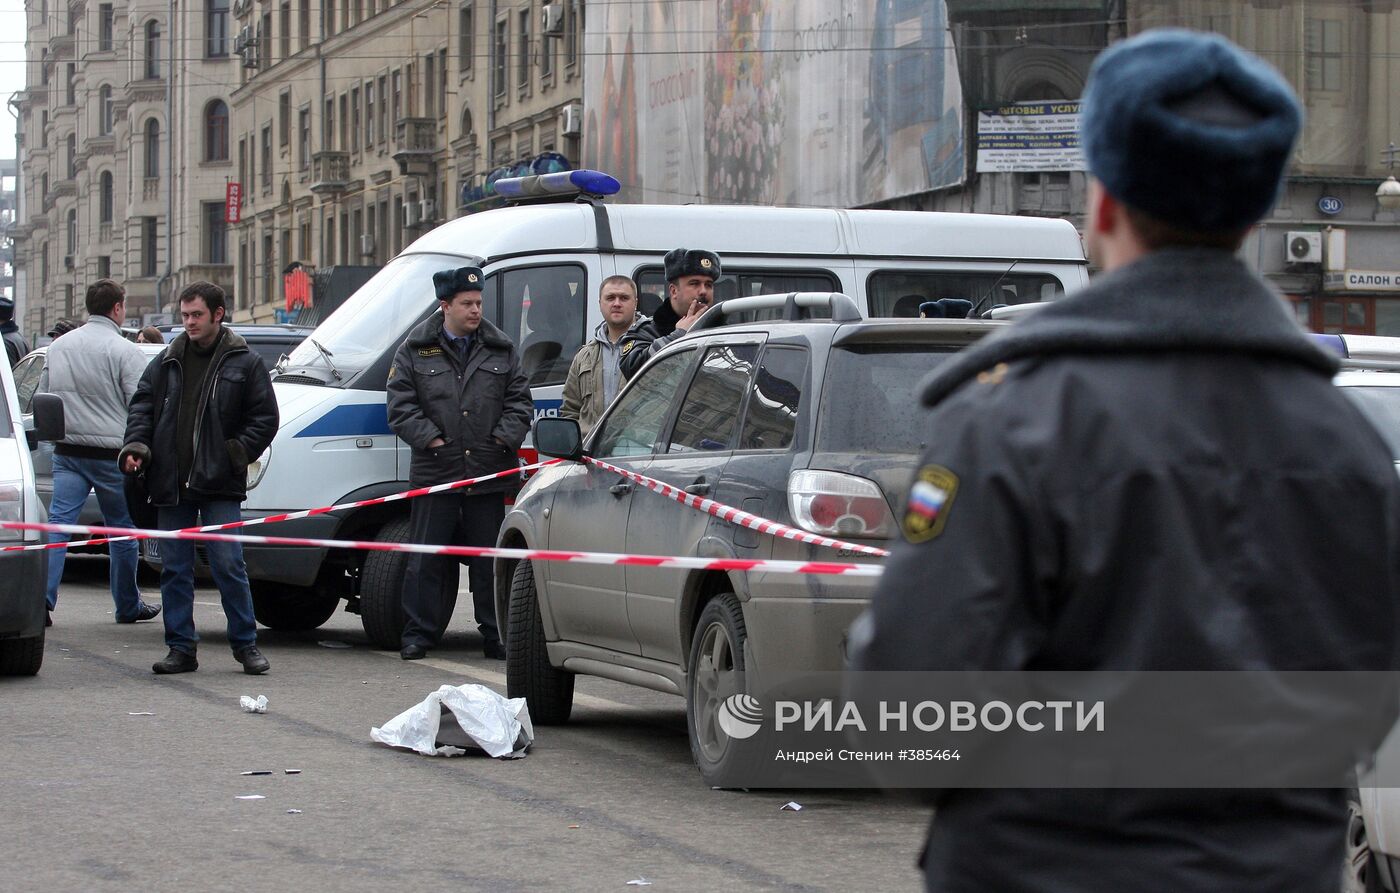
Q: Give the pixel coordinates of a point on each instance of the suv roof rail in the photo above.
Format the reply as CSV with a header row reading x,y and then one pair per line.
x,y
792,305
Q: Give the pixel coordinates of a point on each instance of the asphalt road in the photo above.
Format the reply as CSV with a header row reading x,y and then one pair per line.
x,y
96,798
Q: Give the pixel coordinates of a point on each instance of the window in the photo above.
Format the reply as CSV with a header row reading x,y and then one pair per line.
x,y
354,119
328,125
465,38
344,122
651,286
522,70
1323,53
149,246
442,84
243,161
44,264
216,131
573,27
104,110
397,111
286,35
899,294
634,425
104,266
152,50
499,47
44,186
369,113
383,109
284,118
267,157
27,375
304,23
269,268
304,130
710,412
542,310
328,16
70,83
429,86
43,130
330,239
546,56
216,21
215,234
105,195
875,387
72,233
70,155
152,149
770,419
106,26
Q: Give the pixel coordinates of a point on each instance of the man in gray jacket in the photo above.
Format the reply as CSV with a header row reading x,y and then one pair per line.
x,y
458,397
94,370
595,374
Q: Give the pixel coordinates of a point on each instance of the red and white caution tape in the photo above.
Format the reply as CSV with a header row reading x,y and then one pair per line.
x,y
613,558
306,513
735,516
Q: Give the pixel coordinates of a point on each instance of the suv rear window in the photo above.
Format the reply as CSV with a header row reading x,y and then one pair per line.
x,y
870,399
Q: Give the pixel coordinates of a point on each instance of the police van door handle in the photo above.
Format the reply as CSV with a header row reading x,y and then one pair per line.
x,y
699,488
620,489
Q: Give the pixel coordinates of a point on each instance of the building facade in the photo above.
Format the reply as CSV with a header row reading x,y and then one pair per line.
x,y
105,191
356,126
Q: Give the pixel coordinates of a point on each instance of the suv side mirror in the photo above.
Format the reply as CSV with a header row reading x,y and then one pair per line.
x,y
48,419
559,439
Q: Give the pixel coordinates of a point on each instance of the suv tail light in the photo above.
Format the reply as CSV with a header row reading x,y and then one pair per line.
x,y
835,504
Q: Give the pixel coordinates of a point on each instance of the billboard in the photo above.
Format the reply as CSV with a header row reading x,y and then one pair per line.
x,y
834,103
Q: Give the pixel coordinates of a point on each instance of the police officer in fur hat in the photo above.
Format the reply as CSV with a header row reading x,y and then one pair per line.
x,y
1155,473
458,397
690,288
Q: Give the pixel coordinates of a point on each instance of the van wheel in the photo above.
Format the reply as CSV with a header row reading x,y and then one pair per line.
x,y
291,607
547,690
1359,872
381,588
22,657
715,673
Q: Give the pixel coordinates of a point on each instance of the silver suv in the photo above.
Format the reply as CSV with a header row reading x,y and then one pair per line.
x,y
796,409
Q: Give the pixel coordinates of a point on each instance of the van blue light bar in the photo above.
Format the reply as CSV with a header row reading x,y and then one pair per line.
x,y
1331,343
558,184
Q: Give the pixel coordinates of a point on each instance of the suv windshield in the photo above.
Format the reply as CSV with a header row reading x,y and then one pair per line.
x,y
870,400
378,315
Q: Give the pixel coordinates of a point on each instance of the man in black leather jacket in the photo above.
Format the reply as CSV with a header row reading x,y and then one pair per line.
x,y
204,409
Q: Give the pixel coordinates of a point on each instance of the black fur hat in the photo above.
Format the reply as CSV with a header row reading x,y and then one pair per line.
x,y
691,262
448,282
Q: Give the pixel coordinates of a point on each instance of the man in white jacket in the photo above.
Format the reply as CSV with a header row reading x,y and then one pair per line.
x,y
95,370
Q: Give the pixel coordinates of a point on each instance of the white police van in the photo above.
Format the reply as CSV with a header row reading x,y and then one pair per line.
x,y
544,260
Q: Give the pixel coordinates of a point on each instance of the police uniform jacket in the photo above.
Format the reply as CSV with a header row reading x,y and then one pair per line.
x,y
647,337
481,409
1153,474
237,419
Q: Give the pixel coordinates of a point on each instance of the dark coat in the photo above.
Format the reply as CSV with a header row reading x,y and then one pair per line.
x,y
482,410
647,337
1153,474
237,420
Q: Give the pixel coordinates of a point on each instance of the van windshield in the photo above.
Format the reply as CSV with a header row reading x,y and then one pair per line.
x,y
377,316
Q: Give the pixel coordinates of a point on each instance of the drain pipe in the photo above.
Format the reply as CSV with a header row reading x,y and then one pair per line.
x,y
170,167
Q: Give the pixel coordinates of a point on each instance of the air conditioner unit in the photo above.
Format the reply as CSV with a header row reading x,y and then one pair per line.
x,y
1302,248
571,120
427,210
410,214
552,18
367,245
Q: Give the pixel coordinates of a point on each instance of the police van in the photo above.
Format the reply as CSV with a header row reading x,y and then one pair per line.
x,y
545,258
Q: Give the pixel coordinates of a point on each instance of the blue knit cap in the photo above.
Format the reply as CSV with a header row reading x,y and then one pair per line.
x,y
1189,128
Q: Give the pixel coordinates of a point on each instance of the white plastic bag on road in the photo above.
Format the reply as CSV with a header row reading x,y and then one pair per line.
x,y
496,724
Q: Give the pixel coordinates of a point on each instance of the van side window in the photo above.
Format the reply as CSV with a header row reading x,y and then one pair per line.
x,y
543,311
651,284
770,420
899,293
709,414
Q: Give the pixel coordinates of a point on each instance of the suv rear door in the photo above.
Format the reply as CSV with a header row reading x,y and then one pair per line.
x,y
691,456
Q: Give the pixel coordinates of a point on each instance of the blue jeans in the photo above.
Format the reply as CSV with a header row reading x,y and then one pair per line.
x,y
73,479
226,563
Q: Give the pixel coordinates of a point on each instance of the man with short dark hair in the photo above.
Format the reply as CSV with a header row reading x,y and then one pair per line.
x,y
595,374
690,289
1153,474
459,398
15,344
203,411
94,370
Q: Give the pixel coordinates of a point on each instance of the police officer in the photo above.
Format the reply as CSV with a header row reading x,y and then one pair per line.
x,y
1155,473
458,397
15,344
690,289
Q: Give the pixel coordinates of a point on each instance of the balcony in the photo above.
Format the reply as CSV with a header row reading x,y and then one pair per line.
x,y
19,233
150,189
104,232
61,47
152,90
330,172
415,141
95,146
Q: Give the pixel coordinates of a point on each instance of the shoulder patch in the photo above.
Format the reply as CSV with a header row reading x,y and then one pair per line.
x,y
930,501
993,376
392,370
628,346
429,351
